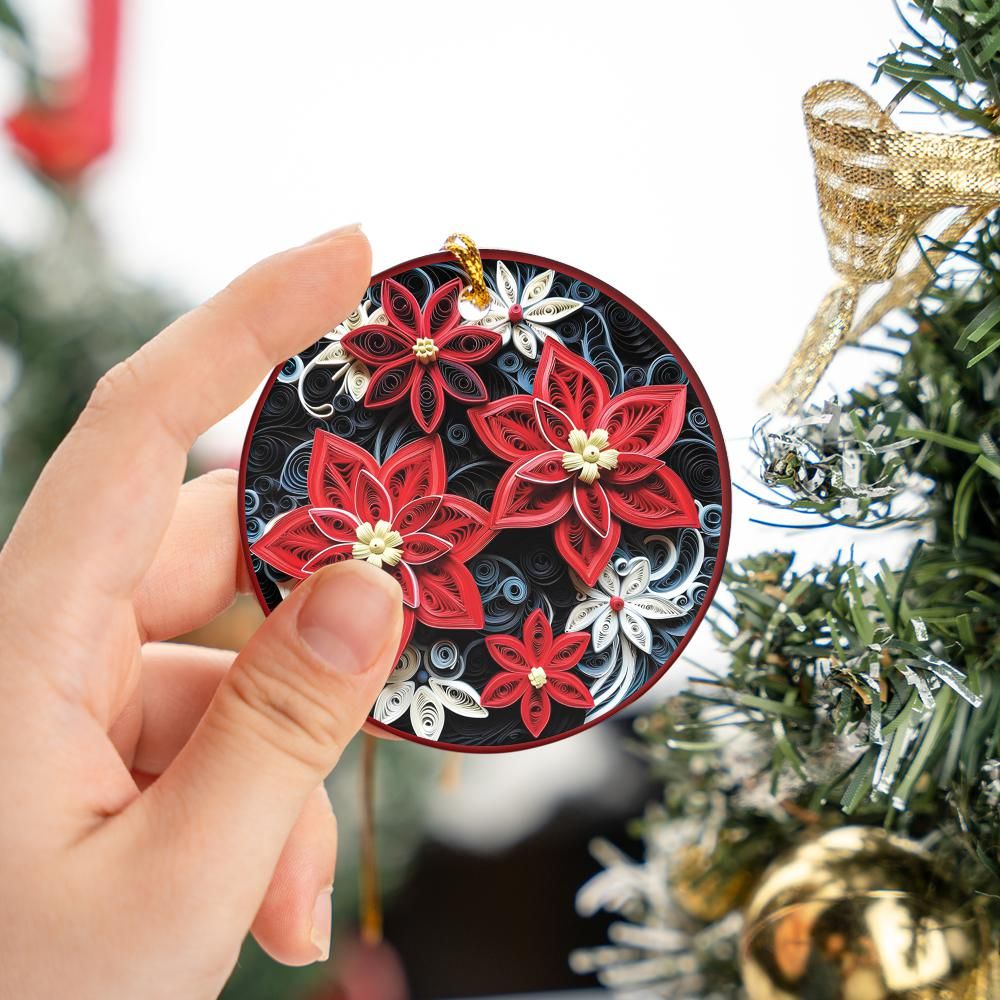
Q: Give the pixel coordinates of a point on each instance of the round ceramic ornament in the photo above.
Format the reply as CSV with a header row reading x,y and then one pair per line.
x,y
531,457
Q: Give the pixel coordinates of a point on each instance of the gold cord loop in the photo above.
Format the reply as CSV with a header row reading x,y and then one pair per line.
x,y
371,899
467,254
879,187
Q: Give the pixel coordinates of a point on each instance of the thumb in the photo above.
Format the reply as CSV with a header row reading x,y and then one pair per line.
x,y
277,725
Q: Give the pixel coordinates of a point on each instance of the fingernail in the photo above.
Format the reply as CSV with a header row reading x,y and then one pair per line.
x,y
354,227
322,923
350,615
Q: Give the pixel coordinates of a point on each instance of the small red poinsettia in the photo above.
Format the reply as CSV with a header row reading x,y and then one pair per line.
x,y
397,516
425,354
536,671
585,460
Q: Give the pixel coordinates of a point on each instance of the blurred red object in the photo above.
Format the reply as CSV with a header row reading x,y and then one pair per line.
x,y
63,136
366,972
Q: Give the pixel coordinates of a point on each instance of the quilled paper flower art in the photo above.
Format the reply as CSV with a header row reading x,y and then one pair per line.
x,y
397,516
423,355
621,604
526,318
584,461
621,612
347,374
426,685
536,670
545,479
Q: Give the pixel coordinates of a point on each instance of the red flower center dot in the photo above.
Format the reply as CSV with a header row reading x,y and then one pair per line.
x,y
515,314
617,604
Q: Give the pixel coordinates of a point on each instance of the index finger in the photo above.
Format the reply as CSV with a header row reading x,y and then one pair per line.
x,y
104,500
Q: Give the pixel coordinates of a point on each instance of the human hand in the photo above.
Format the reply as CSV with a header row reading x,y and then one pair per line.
x,y
116,885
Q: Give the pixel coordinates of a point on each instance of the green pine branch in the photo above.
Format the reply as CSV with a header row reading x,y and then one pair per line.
x,y
868,695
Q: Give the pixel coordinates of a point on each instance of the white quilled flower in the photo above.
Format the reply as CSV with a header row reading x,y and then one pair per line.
x,y
618,611
621,604
347,374
426,693
525,317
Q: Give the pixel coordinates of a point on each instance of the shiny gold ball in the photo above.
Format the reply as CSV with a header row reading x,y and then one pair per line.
x,y
858,914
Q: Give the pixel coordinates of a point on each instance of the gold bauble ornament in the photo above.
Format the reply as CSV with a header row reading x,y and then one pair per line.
x,y
859,914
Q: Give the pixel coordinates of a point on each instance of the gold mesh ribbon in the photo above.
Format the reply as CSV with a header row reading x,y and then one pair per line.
x,y
878,187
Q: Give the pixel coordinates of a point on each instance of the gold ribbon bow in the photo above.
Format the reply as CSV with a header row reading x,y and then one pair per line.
x,y
878,187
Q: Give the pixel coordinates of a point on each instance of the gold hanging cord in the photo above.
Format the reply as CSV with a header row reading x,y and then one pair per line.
x,y
371,900
467,254
878,187
371,896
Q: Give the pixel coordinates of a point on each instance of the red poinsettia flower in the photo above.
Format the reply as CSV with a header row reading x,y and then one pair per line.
x,y
427,354
397,516
586,460
536,671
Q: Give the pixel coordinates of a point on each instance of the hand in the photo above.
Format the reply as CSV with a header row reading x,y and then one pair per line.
x,y
159,800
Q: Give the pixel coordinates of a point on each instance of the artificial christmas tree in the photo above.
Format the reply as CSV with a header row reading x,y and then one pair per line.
x,y
856,695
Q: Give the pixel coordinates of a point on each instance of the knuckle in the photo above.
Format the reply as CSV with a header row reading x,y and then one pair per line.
x,y
289,712
222,479
322,809
115,385
243,323
125,388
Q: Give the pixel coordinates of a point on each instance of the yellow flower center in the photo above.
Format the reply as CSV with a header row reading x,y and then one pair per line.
x,y
425,350
378,544
590,454
536,677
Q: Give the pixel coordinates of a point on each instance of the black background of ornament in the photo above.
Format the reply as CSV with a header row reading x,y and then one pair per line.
x,y
625,351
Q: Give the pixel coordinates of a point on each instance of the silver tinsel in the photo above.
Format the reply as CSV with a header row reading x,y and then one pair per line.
x,y
824,461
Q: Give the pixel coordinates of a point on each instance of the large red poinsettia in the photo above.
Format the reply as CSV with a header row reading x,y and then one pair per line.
x,y
425,354
536,670
397,516
585,460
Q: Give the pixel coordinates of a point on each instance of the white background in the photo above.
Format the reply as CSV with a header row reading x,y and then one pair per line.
x,y
659,146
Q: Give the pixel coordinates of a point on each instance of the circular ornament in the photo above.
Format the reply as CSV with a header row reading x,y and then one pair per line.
x,y
547,482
